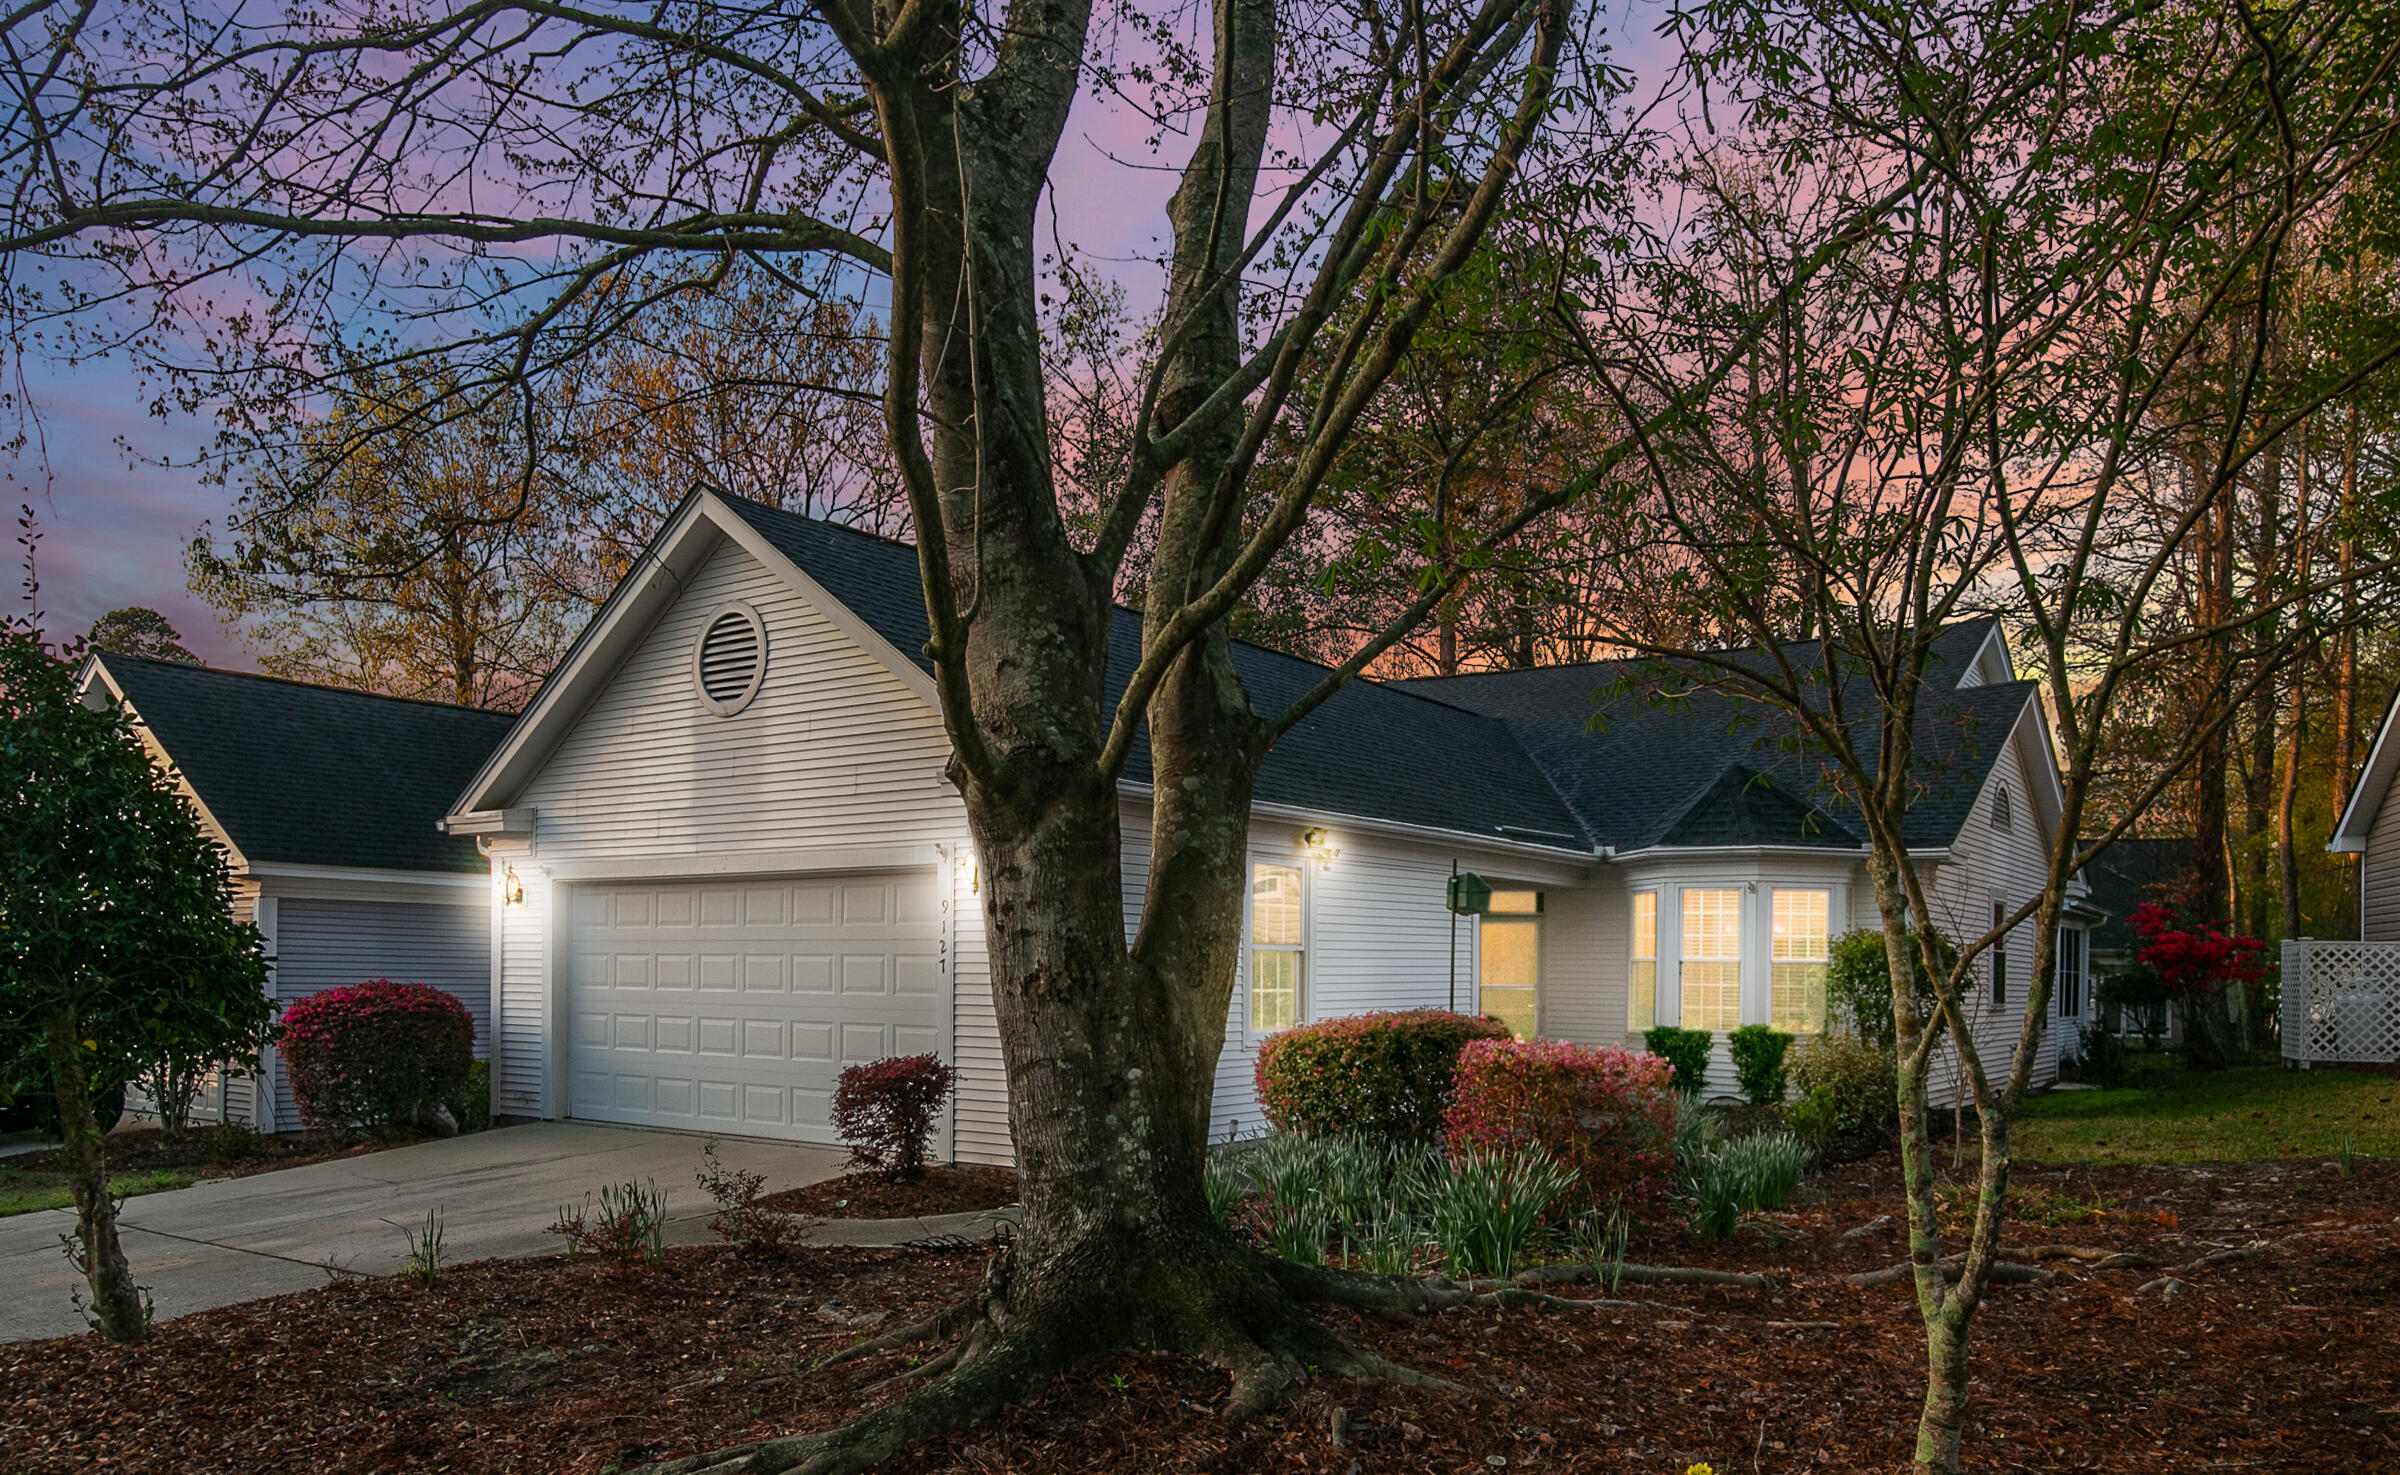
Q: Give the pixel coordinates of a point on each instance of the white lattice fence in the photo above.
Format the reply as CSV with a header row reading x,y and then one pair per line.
x,y
2341,1001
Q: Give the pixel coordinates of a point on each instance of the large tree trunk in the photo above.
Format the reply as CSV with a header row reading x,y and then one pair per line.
x,y
117,1308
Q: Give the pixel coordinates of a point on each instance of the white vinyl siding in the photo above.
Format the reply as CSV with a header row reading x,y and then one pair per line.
x,y
1986,864
323,943
834,751
2379,872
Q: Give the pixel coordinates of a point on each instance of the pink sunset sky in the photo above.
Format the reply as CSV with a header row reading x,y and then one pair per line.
x,y
116,499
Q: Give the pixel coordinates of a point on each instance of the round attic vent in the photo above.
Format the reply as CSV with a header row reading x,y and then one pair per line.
x,y
730,660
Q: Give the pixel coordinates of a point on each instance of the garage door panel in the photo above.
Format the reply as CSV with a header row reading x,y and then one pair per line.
x,y
796,979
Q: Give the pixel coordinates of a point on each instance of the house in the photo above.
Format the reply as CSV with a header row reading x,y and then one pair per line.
x,y
2341,999
731,863
328,804
2132,873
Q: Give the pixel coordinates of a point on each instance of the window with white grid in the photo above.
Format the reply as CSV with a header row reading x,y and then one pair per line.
x,y
1711,971
1803,920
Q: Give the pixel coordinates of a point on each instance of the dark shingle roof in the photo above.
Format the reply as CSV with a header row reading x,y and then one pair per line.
x,y
1636,765
2127,874
1372,750
1555,754
315,775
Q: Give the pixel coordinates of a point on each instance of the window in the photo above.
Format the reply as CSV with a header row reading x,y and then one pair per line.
x,y
1508,976
1642,1011
1802,921
2004,811
1276,948
1711,974
2071,963
1999,958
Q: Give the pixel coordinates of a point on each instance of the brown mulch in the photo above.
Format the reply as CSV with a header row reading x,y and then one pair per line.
x,y
953,1189
201,1152
2283,1362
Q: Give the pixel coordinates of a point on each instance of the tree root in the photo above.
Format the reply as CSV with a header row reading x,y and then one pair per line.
x,y
2003,1272
2095,1256
1676,1275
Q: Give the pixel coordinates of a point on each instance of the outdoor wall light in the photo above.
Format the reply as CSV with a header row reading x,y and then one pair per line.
x,y
512,886
1319,847
971,872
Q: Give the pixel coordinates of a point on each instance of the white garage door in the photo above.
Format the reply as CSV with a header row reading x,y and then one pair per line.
x,y
732,1006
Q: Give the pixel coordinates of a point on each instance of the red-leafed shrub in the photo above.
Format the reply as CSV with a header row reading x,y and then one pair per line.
x,y
1608,1114
1375,1075
379,1055
885,1111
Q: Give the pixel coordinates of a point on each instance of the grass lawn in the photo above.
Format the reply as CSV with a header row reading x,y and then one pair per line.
x,y
24,1192
2167,1114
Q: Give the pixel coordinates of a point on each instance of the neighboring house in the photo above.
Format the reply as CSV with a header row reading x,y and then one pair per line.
x,y
2341,999
328,804
2129,874
731,864
2370,829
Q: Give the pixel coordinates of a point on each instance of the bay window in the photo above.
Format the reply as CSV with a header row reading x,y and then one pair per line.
x,y
1642,988
1803,920
1711,973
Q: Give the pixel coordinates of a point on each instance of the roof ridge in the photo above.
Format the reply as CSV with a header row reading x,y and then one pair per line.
x,y
1120,607
1714,650
348,691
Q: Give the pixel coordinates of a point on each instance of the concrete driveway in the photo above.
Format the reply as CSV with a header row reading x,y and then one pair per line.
x,y
293,1229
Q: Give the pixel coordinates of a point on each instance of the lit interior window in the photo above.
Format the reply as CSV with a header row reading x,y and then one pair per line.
x,y
1276,954
1802,922
1711,973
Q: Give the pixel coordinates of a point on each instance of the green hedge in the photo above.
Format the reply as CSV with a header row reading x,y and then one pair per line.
x,y
1380,1075
1686,1050
1758,1053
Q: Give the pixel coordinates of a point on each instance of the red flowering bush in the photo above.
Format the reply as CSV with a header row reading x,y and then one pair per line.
x,y
2191,959
1377,1075
2194,964
379,1055
1608,1114
885,1111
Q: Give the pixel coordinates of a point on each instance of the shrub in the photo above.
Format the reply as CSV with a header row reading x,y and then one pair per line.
x,y
1386,1076
379,1055
1858,981
471,1104
885,1111
1605,1115
1684,1049
2106,1059
1758,1053
1848,1086
742,1220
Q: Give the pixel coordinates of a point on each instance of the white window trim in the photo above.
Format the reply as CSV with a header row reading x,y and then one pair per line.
x,y
1757,878
1302,1011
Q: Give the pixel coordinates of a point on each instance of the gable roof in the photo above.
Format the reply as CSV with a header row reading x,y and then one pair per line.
x,y
1373,751
2374,781
1516,757
296,774
1642,770
2127,874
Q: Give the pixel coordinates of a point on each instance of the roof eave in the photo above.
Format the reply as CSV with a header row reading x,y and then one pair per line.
x,y
2374,780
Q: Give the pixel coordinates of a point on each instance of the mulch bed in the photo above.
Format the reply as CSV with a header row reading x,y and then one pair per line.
x,y
2283,1362
200,1152
954,1189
